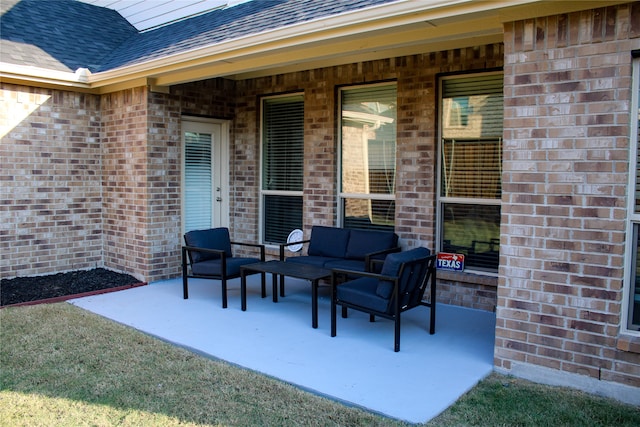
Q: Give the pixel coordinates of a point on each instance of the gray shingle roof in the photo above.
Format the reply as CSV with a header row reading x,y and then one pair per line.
x,y
61,35
66,35
225,24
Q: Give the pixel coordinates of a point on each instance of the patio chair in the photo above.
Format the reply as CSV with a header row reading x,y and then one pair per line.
x,y
399,287
209,254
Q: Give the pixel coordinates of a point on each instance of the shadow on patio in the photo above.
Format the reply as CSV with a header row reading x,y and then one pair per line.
x,y
357,367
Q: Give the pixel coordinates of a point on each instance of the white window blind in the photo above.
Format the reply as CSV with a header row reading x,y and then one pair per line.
x,y
282,166
198,185
472,115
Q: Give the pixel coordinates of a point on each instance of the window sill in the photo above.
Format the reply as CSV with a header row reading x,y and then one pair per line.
x,y
629,343
467,277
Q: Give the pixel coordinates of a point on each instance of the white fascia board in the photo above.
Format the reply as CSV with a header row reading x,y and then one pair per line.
x,y
79,78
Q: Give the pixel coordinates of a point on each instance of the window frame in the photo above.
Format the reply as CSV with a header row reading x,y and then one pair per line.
x,y
442,201
342,196
633,218
299,97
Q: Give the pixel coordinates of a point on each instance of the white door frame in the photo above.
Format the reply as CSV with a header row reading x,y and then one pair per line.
x,y
219,130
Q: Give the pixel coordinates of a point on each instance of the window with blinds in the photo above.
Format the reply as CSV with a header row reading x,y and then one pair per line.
x,y
631,316
471,168
198,183
282,166
368,156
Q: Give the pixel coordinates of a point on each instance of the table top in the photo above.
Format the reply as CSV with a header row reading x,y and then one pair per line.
x,y
291,269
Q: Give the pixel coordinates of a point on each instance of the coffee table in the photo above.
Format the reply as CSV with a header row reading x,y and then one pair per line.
x,y
282,269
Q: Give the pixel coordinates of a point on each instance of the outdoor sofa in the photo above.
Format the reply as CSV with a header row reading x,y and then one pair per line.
x,y
343,248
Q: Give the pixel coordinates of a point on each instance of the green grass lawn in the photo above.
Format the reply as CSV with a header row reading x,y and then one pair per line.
x,y
63,366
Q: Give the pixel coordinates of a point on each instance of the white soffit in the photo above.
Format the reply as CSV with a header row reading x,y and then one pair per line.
x,y
147,14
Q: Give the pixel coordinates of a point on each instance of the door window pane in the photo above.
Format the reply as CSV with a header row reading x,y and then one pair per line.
x,y
198,173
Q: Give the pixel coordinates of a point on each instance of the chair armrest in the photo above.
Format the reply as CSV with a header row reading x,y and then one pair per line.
x,y
220,252
335,272
253,245
370,259
284,245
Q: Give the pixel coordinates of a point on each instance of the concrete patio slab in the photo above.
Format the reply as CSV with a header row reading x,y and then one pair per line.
x,y
357,367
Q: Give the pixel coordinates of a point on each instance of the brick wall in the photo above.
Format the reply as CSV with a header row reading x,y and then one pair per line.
x,y
50,210
124,181
416,78
567,99
140,156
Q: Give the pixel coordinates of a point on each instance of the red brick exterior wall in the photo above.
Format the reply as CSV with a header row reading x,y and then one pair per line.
x,y
566,152
50,183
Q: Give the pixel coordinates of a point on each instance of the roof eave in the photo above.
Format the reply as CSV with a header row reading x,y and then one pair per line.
x,y
388,30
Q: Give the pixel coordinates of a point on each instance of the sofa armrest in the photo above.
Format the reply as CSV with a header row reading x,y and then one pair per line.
x,y
284,245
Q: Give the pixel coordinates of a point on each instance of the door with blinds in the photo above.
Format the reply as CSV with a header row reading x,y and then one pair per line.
x,y
204,175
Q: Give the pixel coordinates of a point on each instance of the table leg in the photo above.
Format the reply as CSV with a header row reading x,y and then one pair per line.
x,y
243,289
314,303
274,286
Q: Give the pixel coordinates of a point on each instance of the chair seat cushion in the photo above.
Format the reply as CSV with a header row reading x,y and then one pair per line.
x,y
318,261
362,292
391,267
213,267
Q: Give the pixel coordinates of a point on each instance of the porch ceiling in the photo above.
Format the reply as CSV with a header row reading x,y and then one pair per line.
x,y
390,30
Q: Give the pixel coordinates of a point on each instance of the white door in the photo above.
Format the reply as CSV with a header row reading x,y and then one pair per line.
x,y
205,170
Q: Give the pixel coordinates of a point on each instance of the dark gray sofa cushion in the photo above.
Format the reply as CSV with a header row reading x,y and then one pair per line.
x,y
363,242
328,241
345,264
318,261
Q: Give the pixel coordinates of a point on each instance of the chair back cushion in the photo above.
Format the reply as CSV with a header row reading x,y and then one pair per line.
x,y
363,242
328,241
391,267
213,238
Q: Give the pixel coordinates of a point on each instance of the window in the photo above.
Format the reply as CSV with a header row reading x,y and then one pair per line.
x,y
632,290
470,178
282,166
368,157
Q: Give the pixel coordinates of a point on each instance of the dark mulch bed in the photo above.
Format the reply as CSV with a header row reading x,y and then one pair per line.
x,y
32,289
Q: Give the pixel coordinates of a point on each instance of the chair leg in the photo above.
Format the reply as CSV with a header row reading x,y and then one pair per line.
x,y
372,318
224,293
185,287
333,317
344,312
264,289
396,344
